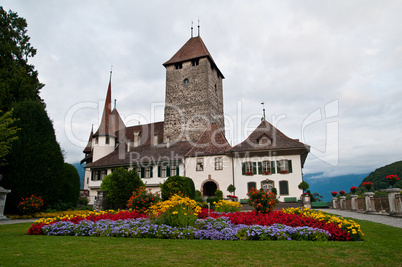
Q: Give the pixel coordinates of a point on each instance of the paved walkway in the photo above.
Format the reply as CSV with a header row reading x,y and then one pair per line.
x,y
378,218
2,222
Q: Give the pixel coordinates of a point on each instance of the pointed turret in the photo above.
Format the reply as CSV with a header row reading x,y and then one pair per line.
x,y
88,149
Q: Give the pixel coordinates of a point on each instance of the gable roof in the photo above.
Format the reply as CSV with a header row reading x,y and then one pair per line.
x,y
192,49
279,140
211,142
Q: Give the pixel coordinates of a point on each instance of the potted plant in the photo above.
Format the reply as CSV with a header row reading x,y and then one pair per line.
x,y
392,179
334,193
342,193
353,189
368,185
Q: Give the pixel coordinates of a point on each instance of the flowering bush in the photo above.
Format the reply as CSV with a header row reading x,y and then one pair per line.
x,y
353,189
334,193
142,199
368,185
226,206
262,200
30,205
249,173
266,173
342,192
176,211
231,196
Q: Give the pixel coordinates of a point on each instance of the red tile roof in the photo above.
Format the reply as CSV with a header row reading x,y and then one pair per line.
x,y
211,142
192,49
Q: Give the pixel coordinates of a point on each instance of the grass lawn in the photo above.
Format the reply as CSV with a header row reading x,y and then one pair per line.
x,y
382,247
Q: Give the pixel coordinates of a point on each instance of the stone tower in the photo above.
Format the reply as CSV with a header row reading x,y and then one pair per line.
x,y
194,93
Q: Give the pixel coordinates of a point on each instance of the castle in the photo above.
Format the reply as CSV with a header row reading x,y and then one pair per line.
x,y
191,141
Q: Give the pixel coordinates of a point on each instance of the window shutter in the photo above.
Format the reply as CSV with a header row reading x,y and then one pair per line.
x,y
290,166
278,166
159,171
167,171
99,176
243,168
272,167
151,168
177,170
254,167
259,167
142,172
92,175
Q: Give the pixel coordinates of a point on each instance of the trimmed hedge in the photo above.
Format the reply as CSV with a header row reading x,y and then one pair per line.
x,y
178,185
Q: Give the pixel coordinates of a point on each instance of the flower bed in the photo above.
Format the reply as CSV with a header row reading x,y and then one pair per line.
x,y
289,224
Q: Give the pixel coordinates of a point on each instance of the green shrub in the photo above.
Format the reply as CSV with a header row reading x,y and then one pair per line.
x,y
211,201
262,200
219,194
226,206
198,193
83,201
231,188
180,185
70,184
120,185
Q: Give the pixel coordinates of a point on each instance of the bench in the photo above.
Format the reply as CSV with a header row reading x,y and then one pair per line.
x,y
244,201
290,199
319,205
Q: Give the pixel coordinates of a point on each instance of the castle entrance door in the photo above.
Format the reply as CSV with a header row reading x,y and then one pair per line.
x,y
209,188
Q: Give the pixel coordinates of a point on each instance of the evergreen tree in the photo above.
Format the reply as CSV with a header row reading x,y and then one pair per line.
x,y
70,185
7,134
35,162
18,79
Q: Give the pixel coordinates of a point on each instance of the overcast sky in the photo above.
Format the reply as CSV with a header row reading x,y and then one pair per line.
x,y
329,72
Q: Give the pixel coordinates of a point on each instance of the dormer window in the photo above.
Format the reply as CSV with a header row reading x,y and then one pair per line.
x,y
155,140
178,66
265,141
186,82
136,139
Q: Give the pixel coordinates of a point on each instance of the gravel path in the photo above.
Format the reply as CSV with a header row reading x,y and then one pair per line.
x,y
384,219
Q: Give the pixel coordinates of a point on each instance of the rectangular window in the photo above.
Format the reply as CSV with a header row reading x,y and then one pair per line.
x,y
249,168
178,66
173,171
107,140
136,139
148,172
284,166
195,62
200,164
218,163
266,167
251,185
103,174
163,171
96,140
283,188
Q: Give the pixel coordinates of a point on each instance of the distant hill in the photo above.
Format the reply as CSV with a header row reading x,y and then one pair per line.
x,y
81,172
378,177
324,186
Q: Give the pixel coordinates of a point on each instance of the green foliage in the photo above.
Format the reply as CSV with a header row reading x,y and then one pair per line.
x,y
142,199
231,188
211,201
315,197
197,193
19,80
7,134
378,177
274,190
83,201
219,194
35,162
304,186
120,185
70,185
180,185
262,200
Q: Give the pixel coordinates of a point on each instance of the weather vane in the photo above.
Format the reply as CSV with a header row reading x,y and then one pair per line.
x,y
263,110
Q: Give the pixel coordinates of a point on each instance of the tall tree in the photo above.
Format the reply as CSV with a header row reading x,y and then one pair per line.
x,y
18,79
35,160
7,134
70,185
